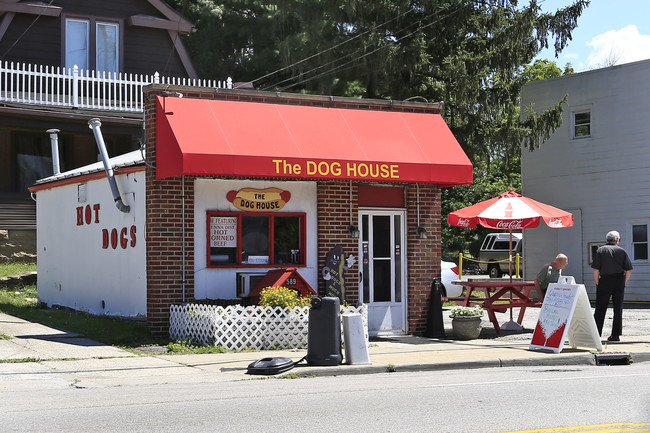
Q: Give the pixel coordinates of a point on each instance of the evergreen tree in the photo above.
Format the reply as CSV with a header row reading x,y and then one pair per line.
x,y
470,55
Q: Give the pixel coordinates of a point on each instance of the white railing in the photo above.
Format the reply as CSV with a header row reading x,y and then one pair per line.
x,y
238,327
72,87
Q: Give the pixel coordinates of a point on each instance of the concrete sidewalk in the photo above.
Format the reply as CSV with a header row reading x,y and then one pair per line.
x,y
39,357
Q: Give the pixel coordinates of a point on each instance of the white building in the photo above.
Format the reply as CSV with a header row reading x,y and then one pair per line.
x,y
597,166
92,256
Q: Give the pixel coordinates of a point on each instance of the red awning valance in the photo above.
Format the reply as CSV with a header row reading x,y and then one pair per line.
x,y
206,137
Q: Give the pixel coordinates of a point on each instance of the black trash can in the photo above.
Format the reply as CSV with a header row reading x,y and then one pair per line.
x,y
324,332
435,324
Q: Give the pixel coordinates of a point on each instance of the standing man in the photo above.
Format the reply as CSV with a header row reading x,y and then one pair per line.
x,y
612,268
550,273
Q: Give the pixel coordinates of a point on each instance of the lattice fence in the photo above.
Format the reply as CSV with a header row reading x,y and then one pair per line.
x,y
238,327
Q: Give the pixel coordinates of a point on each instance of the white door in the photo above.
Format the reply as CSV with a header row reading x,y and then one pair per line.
x,y
383,270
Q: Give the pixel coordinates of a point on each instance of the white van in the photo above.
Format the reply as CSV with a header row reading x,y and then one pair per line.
x,y
493,255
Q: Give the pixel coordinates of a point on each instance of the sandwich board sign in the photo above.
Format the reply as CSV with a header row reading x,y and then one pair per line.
x,y
566,314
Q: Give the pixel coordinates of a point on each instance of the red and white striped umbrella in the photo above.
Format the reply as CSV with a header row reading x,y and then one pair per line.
x,y
510,211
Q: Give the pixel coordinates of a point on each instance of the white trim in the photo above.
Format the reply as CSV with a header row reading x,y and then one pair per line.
x,y
579,110
629,245
403,303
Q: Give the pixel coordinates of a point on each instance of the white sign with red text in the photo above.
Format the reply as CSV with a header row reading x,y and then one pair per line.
x,y
223,232
566,313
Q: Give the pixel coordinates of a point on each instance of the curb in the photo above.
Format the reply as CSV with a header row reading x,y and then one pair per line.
x,y
587,359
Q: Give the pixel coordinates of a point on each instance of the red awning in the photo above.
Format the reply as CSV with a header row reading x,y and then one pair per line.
x,y
206,137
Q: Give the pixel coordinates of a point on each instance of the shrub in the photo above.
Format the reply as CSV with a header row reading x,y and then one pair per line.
x,y
282,297
467,311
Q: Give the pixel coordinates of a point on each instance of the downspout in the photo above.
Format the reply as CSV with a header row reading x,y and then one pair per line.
x,y
183,232
54,140
95,125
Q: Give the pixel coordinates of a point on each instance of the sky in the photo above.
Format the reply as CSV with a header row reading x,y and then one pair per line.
x,y
607,29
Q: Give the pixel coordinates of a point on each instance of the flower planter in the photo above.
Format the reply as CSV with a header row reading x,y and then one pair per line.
x,y
466,327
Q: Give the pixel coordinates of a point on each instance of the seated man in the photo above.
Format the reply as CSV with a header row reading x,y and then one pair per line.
x,y
550,273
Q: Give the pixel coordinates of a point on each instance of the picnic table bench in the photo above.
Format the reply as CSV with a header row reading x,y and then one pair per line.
x,y
498,296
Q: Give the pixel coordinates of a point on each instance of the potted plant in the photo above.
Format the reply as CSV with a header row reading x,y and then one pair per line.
x,y
466,322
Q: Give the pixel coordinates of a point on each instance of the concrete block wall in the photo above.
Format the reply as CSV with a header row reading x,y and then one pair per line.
x,y
17,245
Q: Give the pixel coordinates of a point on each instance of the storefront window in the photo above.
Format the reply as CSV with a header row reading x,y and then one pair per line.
x,y
238,239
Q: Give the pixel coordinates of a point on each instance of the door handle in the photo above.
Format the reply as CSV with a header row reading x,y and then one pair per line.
x,y
360,277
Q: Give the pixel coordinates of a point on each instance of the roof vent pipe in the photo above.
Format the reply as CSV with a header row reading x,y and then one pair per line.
x,y
95,125
54,140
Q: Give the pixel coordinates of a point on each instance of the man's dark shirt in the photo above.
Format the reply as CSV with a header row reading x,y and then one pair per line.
x,y
610,259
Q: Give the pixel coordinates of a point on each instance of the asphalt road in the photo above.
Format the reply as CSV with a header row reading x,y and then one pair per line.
x,y
486,400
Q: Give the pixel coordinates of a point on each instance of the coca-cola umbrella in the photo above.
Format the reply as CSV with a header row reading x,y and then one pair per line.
x,y
510,211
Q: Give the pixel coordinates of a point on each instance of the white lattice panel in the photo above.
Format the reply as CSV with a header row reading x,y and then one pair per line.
x,y
238,327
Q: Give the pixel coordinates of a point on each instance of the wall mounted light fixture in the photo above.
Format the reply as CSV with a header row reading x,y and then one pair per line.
x,y
353,229
421,231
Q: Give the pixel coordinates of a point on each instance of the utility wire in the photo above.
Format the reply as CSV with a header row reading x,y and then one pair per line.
x,y
347,55
172,50
24,33
339,68
331,48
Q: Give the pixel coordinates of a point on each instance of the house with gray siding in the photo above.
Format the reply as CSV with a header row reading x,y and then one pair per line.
x,y
597,166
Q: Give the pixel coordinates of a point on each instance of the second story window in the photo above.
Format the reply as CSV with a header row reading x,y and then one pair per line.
x,y
92,44
581,124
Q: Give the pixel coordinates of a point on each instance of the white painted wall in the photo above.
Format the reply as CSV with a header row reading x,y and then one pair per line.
x,y
210,195
74,270
606,176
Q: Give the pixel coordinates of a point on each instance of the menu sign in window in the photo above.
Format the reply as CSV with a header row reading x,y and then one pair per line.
x,y
223,232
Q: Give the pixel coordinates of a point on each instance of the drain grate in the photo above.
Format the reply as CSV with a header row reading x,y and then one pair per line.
x,y
612,359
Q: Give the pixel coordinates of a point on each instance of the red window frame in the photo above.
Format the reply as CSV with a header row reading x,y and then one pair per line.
x,y
302,259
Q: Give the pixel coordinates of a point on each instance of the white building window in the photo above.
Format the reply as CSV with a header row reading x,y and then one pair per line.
x,y
581,124
92,44
76,43
107,57
640,242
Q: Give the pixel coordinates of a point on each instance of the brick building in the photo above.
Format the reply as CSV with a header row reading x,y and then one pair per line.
x,y
238,182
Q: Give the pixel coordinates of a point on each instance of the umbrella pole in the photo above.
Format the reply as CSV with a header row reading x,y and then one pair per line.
x,y
510,269
511,325
510,256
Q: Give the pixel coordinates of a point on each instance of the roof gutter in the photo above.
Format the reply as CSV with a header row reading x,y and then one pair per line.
x,y
95,124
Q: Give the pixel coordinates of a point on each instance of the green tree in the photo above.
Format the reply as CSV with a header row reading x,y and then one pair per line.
x,y
473,55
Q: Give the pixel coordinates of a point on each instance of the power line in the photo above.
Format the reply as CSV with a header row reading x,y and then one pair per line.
x,y
331,48
339,68
24,33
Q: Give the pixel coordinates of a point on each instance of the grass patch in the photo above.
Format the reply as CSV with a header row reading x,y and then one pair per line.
x,y
19,361
9,269
23,303
184,347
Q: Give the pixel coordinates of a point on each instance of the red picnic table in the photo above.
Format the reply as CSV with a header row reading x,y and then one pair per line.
x,y
508,294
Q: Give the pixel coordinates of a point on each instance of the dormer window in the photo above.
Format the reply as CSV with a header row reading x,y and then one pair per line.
x,y
92,44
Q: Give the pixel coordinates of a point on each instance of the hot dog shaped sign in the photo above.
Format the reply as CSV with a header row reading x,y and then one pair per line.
x,y
259,200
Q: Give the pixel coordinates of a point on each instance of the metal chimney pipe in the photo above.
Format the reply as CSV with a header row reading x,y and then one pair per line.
x,y
54,140
95,125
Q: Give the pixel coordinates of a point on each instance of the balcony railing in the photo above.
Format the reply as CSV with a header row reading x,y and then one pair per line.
x,y
72,87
